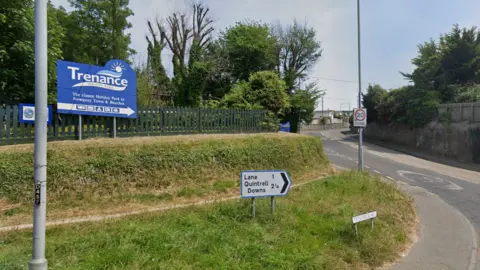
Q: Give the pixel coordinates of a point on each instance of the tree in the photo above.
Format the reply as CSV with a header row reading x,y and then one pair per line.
x,y
303,104
159,83
454,60
17,51
297,51
96,31
372,100
188,42
250,47
267,90
264,89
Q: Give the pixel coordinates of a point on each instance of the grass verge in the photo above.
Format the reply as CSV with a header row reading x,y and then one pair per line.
x,y
311,229
102,176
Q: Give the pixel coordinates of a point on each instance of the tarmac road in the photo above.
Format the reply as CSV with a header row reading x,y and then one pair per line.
x,y
447,238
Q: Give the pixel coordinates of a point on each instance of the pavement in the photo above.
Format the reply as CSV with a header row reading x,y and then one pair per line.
x,y
447,201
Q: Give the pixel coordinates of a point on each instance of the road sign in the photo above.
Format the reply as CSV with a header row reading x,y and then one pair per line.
x,y
26,114
93,90
285,127
359,117
364,217
264,183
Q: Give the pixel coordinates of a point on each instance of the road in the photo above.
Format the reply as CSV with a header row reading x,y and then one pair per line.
x,y
447,239
459,188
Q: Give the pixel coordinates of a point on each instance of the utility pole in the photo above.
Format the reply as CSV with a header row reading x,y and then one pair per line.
x,y
322,104
38,261
360,130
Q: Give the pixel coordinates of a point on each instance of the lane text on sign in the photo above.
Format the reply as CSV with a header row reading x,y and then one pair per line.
x,y
264,183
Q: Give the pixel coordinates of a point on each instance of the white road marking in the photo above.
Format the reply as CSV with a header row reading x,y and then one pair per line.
x,y
437,181
376,171
367,167
390,178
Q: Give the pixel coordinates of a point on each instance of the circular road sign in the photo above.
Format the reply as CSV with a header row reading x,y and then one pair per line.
x,y
360,115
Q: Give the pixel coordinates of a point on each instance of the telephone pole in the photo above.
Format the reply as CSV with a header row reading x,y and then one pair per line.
x,y
38,261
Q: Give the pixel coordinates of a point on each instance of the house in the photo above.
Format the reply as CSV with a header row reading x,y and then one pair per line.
x,y
330,115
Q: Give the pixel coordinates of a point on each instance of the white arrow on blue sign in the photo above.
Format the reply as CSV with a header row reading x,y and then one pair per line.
x,y
255,184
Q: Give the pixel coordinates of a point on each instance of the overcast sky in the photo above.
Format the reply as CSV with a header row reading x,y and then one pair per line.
x,y
391,31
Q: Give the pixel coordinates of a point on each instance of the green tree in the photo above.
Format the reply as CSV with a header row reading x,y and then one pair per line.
x,y
267,90
96,31
188,41
251,48
17,65
303,104
297,51
454,60
372,100
264,89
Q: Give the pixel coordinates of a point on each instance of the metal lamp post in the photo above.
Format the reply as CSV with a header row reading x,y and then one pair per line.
x,y
360,130
38,261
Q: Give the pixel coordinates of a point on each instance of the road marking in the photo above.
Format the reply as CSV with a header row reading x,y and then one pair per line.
x,y
436,181
367,167
350,159
376,171
390,178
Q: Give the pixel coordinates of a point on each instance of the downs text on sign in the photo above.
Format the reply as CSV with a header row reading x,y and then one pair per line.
x,y
264,183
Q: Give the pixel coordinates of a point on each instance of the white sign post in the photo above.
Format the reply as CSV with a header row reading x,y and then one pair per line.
x,y
360,117
254,184
364,217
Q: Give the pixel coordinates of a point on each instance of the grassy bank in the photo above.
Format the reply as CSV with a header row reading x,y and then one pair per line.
x,y
311,229
106,175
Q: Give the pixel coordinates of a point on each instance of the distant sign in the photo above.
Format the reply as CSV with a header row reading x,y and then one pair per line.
x,y
93,90
285,127
359,117
264,183
26,114
364,217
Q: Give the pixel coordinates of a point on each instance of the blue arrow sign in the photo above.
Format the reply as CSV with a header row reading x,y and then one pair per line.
x,y
92,90
255,184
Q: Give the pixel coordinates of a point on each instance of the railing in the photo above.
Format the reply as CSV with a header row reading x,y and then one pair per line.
x,y
149,122
325,127
459,112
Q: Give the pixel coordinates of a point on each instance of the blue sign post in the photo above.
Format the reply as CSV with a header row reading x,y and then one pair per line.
x,y
285,127
93,90
26,114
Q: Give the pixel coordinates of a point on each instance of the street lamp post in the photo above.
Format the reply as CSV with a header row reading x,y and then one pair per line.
x,y
360,130
38,261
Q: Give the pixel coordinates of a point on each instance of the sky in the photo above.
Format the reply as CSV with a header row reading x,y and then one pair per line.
x,y
390,33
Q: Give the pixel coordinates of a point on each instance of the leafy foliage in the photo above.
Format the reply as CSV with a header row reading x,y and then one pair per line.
x,y
250,47
17,51
445,71
248,65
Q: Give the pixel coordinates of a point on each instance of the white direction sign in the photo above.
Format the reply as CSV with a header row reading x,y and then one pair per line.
x,y
264,183
359,117
363,217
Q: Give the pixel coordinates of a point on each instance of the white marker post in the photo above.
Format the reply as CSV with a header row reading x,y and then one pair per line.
x,y
254,184
363,217
38,261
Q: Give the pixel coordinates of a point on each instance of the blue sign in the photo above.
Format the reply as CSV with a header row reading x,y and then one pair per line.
x,y
285,127
26,114
93,90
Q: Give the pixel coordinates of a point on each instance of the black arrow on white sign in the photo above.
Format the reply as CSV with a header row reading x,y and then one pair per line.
x,y
285,182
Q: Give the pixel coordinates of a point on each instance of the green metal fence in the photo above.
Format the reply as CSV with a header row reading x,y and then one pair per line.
x,y
149,122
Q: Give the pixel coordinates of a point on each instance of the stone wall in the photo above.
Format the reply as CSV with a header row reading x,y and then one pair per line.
x,y
459,141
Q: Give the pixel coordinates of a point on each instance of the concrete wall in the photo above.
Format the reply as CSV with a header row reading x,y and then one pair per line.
x,y
459,141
